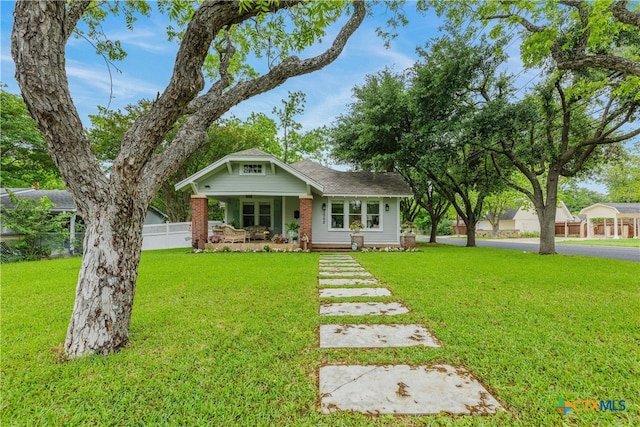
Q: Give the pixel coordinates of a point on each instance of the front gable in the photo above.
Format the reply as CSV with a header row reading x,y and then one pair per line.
x,y
249,172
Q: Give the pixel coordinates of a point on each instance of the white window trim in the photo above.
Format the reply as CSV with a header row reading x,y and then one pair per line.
x,y
256,210
262,168
363,213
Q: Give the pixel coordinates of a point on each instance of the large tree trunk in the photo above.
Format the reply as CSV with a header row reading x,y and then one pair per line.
x,y
434,231
471,235
106,283
548,231
547,214
470,221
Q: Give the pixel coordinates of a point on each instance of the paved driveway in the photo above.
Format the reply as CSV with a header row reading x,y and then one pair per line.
x,y
533,245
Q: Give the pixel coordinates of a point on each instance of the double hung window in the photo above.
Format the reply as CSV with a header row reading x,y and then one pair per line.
x,y
344,211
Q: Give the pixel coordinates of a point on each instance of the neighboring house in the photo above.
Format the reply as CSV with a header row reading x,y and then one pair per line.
x,y
525,220
613,219
63,202
260,190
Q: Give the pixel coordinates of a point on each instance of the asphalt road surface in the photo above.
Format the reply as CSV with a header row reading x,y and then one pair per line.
x,y
532,245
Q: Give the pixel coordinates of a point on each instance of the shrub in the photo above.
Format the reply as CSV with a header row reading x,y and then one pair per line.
x,y
40,231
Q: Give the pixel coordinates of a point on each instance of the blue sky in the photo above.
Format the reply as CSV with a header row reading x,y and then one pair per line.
x,y
147,69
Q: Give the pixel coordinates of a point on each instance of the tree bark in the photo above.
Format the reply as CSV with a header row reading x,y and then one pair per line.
x,y
548,230
106,284
434,231
547,213
471,233
495,229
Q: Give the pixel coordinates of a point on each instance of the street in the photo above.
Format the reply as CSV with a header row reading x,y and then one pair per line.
x,y
532,245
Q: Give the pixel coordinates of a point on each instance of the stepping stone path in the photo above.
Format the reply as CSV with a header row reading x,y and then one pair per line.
x,y
390,389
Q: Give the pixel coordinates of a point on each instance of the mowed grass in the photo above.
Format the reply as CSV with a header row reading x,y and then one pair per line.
x,y
231,339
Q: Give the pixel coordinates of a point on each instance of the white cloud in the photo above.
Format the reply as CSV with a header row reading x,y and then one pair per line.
x,y
99,78
148,39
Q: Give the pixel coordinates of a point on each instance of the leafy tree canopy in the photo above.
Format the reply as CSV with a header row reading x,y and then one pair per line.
x,y
25,161
576,197
574,35
622,178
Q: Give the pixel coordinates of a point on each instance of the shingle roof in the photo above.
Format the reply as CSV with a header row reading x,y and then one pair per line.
x,y
509,213
339,183
62,200
625,207
250,152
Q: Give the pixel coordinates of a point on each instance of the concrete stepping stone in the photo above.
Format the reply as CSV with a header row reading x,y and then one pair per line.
x,y
372,336
340,269
403,390
339,262
332,263
346,273
344,282
354,292
362,309
341,265
336,257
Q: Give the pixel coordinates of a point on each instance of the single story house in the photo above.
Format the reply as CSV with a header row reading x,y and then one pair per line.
x,y
62,203
525,219
617,219
260,190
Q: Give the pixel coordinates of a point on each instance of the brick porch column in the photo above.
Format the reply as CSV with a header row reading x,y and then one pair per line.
x,y
199,220
306,211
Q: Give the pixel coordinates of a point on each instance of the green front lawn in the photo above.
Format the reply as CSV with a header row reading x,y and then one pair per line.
x,y
231,339
629,243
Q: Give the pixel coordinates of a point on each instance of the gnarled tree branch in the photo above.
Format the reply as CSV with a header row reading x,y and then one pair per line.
x,y
215,103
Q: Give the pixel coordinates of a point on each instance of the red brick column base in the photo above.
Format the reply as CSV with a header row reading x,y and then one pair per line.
x,y
306,219
199,221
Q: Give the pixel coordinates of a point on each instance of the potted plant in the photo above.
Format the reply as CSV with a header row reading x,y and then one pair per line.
x,y
356,226
408,227
357,239
292,230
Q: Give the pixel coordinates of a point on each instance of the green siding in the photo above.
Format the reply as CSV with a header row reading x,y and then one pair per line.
x,y
268,184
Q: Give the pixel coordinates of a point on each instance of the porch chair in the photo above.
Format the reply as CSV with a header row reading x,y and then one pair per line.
x,y
233,235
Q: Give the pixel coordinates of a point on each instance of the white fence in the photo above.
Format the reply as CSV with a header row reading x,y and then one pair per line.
x,y
168,236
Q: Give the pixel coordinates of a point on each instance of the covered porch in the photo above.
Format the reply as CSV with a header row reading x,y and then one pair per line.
x,y
265,219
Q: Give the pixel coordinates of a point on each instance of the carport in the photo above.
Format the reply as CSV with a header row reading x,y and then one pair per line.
x,y
624,218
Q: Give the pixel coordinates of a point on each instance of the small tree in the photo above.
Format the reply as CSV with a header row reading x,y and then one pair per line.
x,y
40,230
497,204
